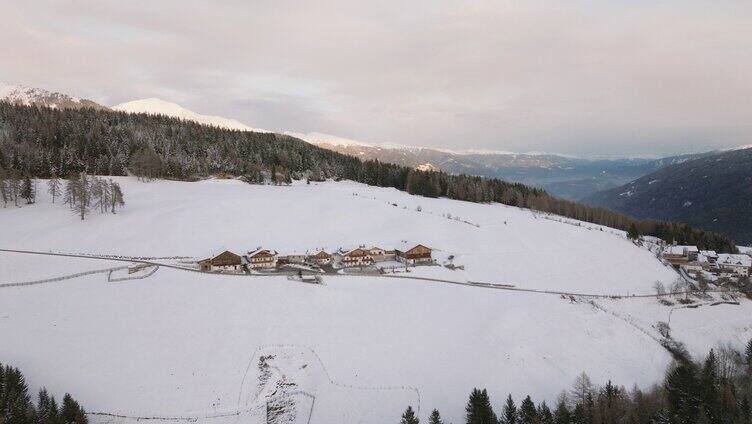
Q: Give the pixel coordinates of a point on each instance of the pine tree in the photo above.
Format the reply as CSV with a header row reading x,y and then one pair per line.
x,y
409,417
748,355
72,413
709,395
435,417
478,409
683,392
14,397
545,415
562,414
528,413
28,191
509,411
53,187
53,411
47,412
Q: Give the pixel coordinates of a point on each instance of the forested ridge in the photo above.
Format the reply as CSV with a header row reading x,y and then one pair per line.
x,y
713,191
44,142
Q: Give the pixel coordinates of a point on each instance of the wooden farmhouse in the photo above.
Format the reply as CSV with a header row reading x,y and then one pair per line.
x,y
224,262
262,259
320,258
356,257
417,255
677,255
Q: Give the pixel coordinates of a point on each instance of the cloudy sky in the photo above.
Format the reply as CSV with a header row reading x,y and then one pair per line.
x,y
618,77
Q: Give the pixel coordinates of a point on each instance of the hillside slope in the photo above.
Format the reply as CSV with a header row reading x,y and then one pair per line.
x,y
184,344
713,192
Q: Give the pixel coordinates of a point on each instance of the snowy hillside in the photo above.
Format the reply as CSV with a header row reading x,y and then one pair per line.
x,y
357,349
156,106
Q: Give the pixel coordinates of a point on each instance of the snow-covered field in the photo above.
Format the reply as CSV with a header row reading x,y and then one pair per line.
x,y
187,344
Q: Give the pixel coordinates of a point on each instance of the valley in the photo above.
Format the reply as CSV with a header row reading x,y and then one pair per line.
x,y
186,346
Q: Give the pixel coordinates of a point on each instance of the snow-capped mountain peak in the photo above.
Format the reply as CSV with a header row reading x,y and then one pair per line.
x,y
30,96
155,106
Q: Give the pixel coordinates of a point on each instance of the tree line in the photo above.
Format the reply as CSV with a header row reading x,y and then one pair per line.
x,y
716,390
17,407
80,192
43,142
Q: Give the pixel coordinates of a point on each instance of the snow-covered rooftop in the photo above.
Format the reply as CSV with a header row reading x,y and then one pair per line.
x,y
734,259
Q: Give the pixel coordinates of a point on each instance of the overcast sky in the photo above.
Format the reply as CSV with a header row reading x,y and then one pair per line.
x,y
578,77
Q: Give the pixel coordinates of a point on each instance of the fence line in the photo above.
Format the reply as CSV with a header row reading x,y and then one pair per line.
x,y
61,278
154,269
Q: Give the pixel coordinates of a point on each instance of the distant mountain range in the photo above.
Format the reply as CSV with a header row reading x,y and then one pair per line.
x,y
563,176
713,191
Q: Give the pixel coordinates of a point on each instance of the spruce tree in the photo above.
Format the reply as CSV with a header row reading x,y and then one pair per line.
x,y
478,409
435,417
509,412
748,355
528,413
562,414
15,404
683,392
709,386
408,417
28,191
545,416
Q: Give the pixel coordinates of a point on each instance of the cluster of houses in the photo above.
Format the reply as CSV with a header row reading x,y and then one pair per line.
x,y
694,261
266,259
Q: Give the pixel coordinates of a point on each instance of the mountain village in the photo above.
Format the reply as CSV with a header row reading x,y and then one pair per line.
x,y
261,259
